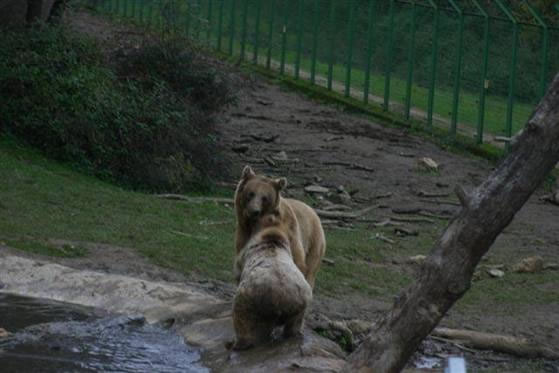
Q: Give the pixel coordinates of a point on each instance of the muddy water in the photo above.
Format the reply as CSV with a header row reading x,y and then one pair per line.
x,y
57,337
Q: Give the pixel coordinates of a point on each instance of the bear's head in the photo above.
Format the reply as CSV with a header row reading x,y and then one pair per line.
x,y
257,195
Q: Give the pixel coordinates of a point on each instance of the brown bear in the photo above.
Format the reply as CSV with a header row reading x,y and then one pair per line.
x,y
272,290
258,195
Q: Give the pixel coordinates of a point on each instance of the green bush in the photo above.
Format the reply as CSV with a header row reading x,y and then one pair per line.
x,y
146,123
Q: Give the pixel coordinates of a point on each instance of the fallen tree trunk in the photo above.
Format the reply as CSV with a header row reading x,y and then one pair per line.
x,y
447,272
522,347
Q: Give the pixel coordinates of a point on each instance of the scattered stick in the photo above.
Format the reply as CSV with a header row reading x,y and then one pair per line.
x,y
405,210
336,207
431,215
412,220
423,193
353,166
344,215
522,347
454,343
385,195
381,237
203,238
181,197
440,202
328,261
405,232
386,222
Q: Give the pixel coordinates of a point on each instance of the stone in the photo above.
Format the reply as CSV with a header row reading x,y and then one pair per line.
x,y
280,156
429,164
316,189
4,333
529,265
417,259
494,272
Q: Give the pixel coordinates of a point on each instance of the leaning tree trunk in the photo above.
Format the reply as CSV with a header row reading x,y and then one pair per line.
x,y
446,274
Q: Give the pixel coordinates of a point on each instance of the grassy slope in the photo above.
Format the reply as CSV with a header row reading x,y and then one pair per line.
x,y
44,200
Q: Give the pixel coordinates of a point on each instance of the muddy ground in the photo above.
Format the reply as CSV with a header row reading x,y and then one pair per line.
x,y
327,146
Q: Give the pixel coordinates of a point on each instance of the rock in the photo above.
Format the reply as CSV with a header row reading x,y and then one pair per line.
x,y
243,148
529,265
316,189
4,333
281,156
405,232
342,197
416,259
429,164
494,272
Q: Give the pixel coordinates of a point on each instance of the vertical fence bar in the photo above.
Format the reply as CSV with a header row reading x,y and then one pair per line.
x,y
545,43
209,30
332,27
141,12
299,37
125,8
150,14
370,28
350,32
481,106
232,27
198,19
257,32
314,40
134,10
284,36
434,55
220,24
411,62
512,76
244,30
188,18
389,57
270,34
458,69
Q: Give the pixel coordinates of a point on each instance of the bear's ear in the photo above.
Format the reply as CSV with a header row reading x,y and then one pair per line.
x,y
280,183
247,173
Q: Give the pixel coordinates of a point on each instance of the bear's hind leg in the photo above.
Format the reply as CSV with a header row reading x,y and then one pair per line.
x,y
294,326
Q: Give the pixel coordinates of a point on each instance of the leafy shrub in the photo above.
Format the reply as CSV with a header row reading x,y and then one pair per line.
x,y
151,127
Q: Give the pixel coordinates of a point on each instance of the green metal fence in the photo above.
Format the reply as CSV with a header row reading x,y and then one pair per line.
x,y
469,66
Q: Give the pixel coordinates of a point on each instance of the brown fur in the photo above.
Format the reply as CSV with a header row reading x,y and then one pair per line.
x,y
272,290
258,195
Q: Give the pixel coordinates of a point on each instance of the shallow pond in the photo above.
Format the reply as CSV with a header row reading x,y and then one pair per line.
x,y
50,336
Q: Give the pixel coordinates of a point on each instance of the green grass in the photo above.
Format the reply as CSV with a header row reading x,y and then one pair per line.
x,y
45,201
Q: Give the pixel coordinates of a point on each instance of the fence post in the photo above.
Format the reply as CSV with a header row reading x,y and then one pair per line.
x,y
141,12
284,37
545,44
314,41
370,28
331,25
299,37
232,27
389,58
150,15
220,24
134,10
209,30
512,78
198,19
481,107
244,30
350,28
270,34
257,32
434,55
411,61
458,72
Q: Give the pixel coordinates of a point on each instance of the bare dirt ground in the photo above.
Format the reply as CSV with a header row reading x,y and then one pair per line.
x,y
324,145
